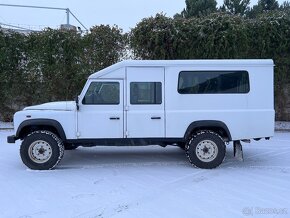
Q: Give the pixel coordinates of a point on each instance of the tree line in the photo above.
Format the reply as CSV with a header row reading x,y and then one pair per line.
x,y
53,65
199,8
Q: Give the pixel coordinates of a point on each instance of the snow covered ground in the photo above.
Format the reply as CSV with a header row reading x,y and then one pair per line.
x,y
148,182
282,126
4,125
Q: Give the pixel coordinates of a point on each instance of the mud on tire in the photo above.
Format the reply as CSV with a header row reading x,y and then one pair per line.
x,y
41,150
206,149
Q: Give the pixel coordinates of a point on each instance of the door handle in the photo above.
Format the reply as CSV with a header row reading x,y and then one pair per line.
x,y
114,118
155,118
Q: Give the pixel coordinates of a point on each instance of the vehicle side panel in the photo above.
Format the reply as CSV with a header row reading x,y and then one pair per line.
x,y
241,114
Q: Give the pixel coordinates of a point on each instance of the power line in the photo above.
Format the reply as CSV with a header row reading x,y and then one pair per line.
x,y
3,19
78,20
32,6
18,27
67,10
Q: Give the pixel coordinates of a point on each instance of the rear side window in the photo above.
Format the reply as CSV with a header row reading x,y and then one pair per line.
x,y
100,93
145,93
213,82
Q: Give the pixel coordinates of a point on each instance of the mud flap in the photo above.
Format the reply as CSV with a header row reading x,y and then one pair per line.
x,y
238,151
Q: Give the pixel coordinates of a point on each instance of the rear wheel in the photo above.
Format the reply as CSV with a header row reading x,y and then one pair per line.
x,y
41,150
206,149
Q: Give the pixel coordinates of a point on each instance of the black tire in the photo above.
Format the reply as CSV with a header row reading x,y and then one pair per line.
x,y
41,150
70,146
206,150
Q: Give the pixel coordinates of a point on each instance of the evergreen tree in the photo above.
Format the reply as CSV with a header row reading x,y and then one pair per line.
x,y
255,11
268,5
285,5
198,8
236,6
263,6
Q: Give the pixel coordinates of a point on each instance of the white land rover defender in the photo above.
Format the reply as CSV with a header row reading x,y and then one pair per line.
x,y
199,105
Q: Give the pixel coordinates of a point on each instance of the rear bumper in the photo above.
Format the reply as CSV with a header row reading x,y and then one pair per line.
x,y
11,139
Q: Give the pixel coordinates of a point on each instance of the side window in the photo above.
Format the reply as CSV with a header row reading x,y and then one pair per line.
x,y
145,93
213,82
100,93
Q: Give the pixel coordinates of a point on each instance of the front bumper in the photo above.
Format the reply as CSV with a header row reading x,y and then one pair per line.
x,y
11,139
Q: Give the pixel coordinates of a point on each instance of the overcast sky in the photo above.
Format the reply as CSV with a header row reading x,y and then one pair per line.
x,y
124,13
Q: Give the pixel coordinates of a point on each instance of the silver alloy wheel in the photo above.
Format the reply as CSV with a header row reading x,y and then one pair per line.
x,y
206,150
40,151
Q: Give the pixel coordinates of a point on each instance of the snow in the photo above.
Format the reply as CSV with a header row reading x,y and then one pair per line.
x,y
4,125
148,182
282,126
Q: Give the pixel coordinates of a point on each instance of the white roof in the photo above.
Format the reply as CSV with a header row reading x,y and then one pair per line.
x,y
163,63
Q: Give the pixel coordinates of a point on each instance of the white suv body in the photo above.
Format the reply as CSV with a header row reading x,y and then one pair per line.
x,y
161,102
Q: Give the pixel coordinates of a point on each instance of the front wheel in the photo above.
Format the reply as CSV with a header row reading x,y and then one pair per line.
x,y
41,150
206,149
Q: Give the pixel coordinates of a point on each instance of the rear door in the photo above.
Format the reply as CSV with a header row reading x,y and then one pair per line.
x,y
145,102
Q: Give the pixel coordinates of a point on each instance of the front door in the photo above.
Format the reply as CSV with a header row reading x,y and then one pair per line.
x,y
101,112
145,102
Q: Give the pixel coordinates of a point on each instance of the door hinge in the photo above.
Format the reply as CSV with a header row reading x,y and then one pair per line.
x,y
126,108
127,133
78,134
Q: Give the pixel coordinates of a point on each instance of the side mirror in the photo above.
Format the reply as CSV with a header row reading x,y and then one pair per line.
x,y
77,102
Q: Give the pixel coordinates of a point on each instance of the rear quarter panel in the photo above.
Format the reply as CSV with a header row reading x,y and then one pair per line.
x,y
249,115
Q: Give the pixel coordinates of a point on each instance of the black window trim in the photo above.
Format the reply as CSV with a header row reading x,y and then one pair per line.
x,y
242,93
103,104
155,82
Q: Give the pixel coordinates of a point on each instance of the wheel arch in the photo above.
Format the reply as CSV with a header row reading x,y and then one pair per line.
x,y
28,126
214,125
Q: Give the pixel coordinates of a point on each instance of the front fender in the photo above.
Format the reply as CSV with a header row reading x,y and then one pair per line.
x,y
40,123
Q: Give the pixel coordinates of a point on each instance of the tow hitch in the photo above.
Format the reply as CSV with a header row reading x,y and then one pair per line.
x,y
238,151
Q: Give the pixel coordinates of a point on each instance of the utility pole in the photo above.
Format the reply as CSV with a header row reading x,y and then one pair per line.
x,y
67,10
67,16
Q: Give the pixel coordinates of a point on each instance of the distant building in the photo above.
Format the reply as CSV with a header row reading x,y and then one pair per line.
x,y
68,27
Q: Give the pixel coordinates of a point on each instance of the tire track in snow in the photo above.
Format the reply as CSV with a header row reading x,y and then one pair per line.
x,y
281,153
116,165
265,153
270,188
161,191
173,184
281,140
